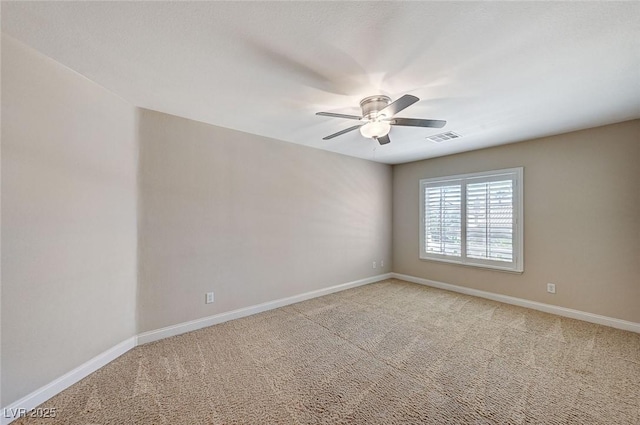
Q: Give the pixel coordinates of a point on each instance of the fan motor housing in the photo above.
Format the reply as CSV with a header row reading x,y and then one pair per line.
x,y
371,105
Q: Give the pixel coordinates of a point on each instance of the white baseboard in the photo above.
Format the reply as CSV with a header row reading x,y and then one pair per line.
x,y
42,394
547,308
39,396
193,325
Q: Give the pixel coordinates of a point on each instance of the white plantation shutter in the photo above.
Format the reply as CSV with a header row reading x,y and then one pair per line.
x,y
473,219
490,220
443,219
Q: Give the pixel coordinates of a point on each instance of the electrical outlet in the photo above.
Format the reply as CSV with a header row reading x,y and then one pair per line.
x,y
381,263
551,288
374,265
209,298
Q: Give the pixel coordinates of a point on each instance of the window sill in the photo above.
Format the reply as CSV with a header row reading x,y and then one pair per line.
x,y
474,265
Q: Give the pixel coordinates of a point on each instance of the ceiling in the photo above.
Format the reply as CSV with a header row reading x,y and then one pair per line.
x,y
497,72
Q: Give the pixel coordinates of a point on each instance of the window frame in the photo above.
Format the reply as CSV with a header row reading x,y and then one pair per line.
x,y
516,174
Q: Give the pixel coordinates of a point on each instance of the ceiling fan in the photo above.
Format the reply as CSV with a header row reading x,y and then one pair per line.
x,y
378,116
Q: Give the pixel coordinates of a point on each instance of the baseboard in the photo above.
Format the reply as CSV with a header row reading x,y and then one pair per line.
x,y
547,308
193,325
39,396
42,394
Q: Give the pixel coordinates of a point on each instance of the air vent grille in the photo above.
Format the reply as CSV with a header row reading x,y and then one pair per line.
x,y
443,136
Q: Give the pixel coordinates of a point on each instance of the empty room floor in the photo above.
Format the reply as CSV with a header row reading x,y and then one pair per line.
x,y
386,353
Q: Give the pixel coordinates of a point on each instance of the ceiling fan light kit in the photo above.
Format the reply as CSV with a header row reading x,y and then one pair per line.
x,y
375,129
378,116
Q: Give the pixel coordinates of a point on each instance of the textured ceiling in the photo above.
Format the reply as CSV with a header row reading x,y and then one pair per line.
x,y
497,72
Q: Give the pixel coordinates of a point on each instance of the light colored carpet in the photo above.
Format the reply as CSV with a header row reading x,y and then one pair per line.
x,y
386,353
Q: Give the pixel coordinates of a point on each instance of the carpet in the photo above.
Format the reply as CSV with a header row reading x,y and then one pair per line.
x,y
386,353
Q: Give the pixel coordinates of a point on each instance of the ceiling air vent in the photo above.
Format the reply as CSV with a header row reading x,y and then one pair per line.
x,y
443,136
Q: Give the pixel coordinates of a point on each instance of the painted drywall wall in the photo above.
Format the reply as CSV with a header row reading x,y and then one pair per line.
x,y
69,172
255,219
250,218
581,220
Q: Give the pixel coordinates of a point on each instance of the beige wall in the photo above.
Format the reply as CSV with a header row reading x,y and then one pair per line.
x,y
68,220
581,220
86,263
250,218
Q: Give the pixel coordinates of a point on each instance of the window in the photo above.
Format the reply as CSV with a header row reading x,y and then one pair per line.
x,y
473,219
